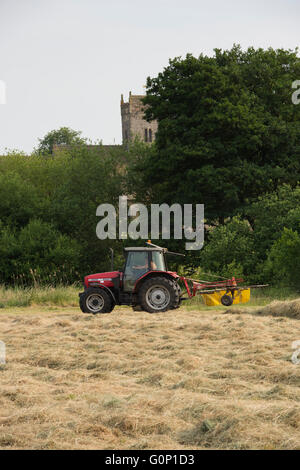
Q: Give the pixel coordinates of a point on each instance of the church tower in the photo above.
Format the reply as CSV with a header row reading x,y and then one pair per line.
x,y
133,122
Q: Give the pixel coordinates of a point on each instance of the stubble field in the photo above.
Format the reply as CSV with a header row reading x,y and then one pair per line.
x,y
186,379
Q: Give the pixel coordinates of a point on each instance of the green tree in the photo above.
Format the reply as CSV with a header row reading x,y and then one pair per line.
x,y
37,253
229,250
248,246
63,193
87,178
64,135
283,263
19,201
270,214
228,131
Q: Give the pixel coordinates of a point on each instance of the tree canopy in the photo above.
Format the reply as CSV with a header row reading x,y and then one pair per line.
x,y
228,130
64,135
228,137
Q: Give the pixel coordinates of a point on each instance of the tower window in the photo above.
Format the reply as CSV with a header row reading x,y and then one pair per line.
x,y
150,135
146,135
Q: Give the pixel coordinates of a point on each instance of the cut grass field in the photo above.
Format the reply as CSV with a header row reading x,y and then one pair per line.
x,y
188,379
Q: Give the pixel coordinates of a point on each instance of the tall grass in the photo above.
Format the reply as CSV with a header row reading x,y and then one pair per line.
x,y
64,296
27,296
267,295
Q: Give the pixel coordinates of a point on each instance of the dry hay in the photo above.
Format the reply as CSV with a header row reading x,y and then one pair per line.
x,y
289,309
130,380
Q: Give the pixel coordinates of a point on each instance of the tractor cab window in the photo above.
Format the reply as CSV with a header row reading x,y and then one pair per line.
x,y
158,261
137,264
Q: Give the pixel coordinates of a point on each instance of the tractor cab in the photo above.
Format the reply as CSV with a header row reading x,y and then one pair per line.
x,y
140,261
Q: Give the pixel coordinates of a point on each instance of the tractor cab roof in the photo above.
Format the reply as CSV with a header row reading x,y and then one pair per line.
x,y
141,248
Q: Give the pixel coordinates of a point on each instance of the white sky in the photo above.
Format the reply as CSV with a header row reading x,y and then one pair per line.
x,y
66,62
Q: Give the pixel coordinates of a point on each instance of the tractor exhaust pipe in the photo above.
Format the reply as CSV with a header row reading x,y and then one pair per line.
x,y
112,258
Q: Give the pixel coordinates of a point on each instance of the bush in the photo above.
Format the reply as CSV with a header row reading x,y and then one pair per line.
x,y
270,214
283,263
37,253
48,213
229,249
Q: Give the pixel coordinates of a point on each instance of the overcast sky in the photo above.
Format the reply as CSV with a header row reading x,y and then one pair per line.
x,y
66,62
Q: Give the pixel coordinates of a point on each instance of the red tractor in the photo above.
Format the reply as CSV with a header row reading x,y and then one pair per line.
x,y
145,283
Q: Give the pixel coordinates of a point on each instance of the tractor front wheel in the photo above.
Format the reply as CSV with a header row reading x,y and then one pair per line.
x,y
96,300
159,294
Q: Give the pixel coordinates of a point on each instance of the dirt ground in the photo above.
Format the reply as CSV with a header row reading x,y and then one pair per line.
x,y
186,379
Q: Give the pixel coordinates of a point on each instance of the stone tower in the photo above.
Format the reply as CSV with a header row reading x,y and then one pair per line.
x,y
133,122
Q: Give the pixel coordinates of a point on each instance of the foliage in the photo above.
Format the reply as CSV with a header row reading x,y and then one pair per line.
x,y
245,247
228,131
227,138
64,135
283,263
229,249
38,252
271,213
48,214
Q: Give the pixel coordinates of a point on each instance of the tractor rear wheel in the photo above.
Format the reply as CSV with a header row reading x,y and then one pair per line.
x,y
179,296
96,300
159,294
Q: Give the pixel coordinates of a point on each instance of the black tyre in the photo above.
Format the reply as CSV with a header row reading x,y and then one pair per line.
x,y
227,300
81,303
96,300
179,296
159,294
